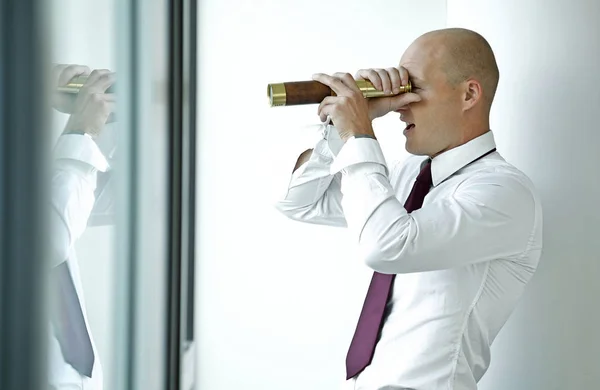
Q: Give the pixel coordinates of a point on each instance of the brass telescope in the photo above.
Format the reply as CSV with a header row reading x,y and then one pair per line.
x,y
76,83
313,92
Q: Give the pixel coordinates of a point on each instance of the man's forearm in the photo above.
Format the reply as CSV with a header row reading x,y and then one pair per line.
x,y
72,200
313,195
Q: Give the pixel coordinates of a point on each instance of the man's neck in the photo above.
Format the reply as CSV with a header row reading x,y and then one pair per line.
x,y
467,135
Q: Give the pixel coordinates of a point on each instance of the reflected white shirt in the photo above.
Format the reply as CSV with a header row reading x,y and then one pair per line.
x,y
462,260
77,161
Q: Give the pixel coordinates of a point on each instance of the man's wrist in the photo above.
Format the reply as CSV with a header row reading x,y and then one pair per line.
x,y
372,136
80,146
357,132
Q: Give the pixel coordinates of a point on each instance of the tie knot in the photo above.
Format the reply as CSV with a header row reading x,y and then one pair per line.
x,y
425,174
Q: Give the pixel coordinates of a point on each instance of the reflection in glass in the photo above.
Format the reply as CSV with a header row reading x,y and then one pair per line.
x,y
83,148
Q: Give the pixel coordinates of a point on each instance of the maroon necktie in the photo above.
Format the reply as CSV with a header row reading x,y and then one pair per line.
x,y
365,337
69,325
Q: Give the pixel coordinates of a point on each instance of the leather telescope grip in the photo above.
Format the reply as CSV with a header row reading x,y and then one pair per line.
x,y
306,92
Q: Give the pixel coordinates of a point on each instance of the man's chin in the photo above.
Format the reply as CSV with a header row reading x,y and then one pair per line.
x,y
415,151
412,148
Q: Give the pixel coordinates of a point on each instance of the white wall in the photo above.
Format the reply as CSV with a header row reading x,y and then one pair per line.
x,y
545,121
83,32
277,300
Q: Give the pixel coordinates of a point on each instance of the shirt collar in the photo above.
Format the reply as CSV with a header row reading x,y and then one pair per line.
x,y
448,163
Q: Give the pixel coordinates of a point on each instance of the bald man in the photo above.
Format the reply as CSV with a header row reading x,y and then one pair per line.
x,y
452,234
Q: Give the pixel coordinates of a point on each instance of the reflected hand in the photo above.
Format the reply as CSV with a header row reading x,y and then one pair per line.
x,y
61,75
388,80
93,106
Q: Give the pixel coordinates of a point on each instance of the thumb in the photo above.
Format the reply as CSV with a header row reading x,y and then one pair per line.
x,y
402,100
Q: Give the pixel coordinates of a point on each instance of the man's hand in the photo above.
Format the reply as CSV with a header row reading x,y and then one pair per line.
x,y
61,75
93,106
349,110
388,80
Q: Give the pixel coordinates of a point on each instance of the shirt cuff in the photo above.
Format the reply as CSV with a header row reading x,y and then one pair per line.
x,y
80,148
360,151
334,142
329,144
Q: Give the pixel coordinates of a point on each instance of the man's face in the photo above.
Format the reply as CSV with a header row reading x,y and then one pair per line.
x,y
432,125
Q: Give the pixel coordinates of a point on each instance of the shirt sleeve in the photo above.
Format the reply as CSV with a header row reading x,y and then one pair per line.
x,y
77,159
489,216
313,194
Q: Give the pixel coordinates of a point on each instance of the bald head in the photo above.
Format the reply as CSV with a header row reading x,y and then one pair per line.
x,y
464,54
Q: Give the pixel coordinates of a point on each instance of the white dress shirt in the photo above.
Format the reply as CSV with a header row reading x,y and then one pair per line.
x,y
77,161
462,260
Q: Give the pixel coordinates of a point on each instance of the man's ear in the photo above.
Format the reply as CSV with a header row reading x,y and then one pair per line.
x,y
473,93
